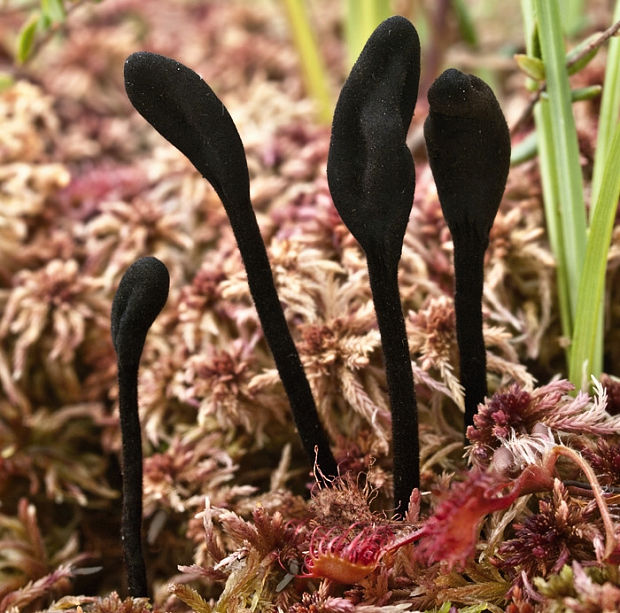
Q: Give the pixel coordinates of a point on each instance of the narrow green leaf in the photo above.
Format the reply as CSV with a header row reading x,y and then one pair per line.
x,y
531,66
44,22
525,150
608,116
352,31
610,110
536,50
364,16
315,74
581,93
366,9
549,179
54,10
585,93
573,64
476,608
25,38
465,22
593,278
532,45
547,163
6,80
573,16
564,135
373,13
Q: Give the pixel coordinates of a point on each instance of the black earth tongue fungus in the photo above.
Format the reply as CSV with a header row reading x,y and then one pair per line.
x,y
468,146
140,297
186,112
372,179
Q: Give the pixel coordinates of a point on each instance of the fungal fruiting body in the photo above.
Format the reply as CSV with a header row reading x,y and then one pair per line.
x,y
186,111
372,179
141,295
468,146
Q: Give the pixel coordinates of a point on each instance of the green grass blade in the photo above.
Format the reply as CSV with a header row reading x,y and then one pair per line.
x,y
549,179
465,22
353,31
564,135
315,75
573,16
526,150
361,19
610,109
26,38
592,282
529,27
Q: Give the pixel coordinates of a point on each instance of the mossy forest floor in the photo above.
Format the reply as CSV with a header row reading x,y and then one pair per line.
x,y
232,516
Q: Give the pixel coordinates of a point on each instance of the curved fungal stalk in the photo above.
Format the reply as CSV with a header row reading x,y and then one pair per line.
x,y
372,179
141,295
468,147
186,112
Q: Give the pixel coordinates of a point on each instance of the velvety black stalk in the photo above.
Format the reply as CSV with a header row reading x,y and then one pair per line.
x,y
405,445
468,145
468,285
372,179
131,506
185,111
286,357
141,295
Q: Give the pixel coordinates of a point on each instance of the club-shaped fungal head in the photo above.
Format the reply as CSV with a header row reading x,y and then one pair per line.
x,y
468,146
370,169
140,297
185,111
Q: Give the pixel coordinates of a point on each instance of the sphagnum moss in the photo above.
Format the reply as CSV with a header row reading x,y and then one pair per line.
x,y
257,544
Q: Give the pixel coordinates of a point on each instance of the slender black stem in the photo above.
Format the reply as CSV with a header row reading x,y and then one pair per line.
x,y
468,146
131,527
469,277
371,177
140,297
184,109
278,336
405,442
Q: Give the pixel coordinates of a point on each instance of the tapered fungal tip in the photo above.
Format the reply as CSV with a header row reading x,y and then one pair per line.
x,y
180,105
141,295
144,68
457,94
136,60
370,169
390,59
468,146
393,44
146,78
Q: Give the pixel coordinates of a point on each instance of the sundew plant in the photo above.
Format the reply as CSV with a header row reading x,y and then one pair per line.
x,y
310,307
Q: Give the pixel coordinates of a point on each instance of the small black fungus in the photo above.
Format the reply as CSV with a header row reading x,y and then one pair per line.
x,y
372,179
140,297
468,146
185,111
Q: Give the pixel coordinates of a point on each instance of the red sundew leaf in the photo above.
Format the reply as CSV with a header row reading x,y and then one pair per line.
x,y
450,534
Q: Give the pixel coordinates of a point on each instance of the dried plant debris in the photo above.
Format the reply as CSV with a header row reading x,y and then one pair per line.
x,y
523,518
